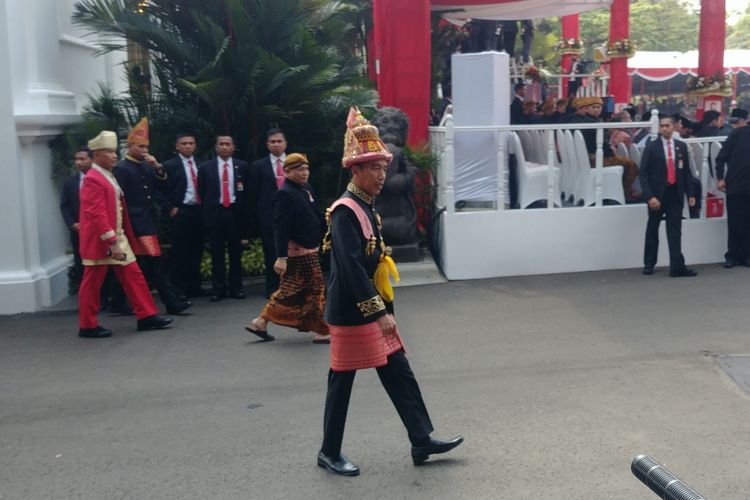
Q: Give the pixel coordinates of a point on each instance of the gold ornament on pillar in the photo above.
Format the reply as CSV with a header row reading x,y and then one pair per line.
x,y
621,48
569,46
718,85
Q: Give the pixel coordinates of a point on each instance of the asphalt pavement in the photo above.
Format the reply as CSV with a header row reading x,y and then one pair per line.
x,y
556,383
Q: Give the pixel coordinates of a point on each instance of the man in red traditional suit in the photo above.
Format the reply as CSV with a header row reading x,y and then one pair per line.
x,y
359,307
106,236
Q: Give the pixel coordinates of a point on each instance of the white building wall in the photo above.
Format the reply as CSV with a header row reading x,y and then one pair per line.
x,y
46,69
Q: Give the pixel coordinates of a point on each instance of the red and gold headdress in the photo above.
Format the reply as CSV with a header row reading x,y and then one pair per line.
x,y
362,141
139,134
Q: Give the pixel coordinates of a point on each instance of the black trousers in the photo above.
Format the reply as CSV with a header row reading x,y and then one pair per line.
x,y
400,384
77,262
187,249
671,209
157,278
225,234
269,257
738,226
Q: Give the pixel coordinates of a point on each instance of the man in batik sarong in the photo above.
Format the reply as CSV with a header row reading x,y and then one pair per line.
x,y
300,299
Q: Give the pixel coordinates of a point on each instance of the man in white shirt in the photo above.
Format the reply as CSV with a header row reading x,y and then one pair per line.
x,y
223,191
186,229
268,176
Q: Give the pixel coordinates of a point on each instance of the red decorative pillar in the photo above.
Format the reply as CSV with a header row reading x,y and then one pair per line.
x,y
620,49
711,53
402,60
571,30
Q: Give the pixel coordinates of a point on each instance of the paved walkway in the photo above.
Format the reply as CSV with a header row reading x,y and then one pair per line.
x,y
556,382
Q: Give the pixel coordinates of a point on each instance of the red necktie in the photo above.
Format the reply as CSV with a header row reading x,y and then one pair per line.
x,y
194,178
279,173
671,176
225,201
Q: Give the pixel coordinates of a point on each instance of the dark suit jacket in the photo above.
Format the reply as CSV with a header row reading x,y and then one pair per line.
x,y
352,268
70,200
263,189
143,191
176,180
295,217
589,135
735,155
516,111
209,189
653,171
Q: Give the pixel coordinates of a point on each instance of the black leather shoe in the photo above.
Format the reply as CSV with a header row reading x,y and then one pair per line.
x,y
341,465
154,322
648,271
729,263
217,296
98,332
420,454
746,262
239,294
179,307
683,273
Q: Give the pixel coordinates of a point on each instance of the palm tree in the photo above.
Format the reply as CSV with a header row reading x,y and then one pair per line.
x,y
240,66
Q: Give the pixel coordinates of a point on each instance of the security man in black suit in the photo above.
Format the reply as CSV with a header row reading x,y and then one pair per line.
x,y
267,177
186,224
223,189
666,179
516,107
70,204
733,174
143,182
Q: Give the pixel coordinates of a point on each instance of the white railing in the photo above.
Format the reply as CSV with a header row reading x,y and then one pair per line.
x,y
593,85
442,145
704,171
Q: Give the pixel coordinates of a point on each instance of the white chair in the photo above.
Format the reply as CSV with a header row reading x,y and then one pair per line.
x,y
527,141
622,151
540,145
568,169
532,177
634,154
611,176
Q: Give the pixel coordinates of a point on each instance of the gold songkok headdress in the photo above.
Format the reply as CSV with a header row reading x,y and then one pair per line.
x,y
139,134
362,141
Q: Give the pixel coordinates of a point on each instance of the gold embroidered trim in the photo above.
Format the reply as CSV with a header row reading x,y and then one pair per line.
x,y
371,306
360,193
327,237
108,235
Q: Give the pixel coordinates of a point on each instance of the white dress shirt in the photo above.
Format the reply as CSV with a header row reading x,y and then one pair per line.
x,y
190,194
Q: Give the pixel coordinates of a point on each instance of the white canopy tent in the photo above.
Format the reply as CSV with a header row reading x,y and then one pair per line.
x,y
461,11
661,66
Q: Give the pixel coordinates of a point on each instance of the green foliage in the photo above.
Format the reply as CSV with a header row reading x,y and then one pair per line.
x,y
242,66
252,261
422,158
738,36
101,113
648,30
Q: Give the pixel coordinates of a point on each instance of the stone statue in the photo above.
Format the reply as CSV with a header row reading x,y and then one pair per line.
x,y
395,203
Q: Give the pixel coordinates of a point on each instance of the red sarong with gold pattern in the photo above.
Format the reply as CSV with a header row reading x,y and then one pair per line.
x,y
147,245
361,346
